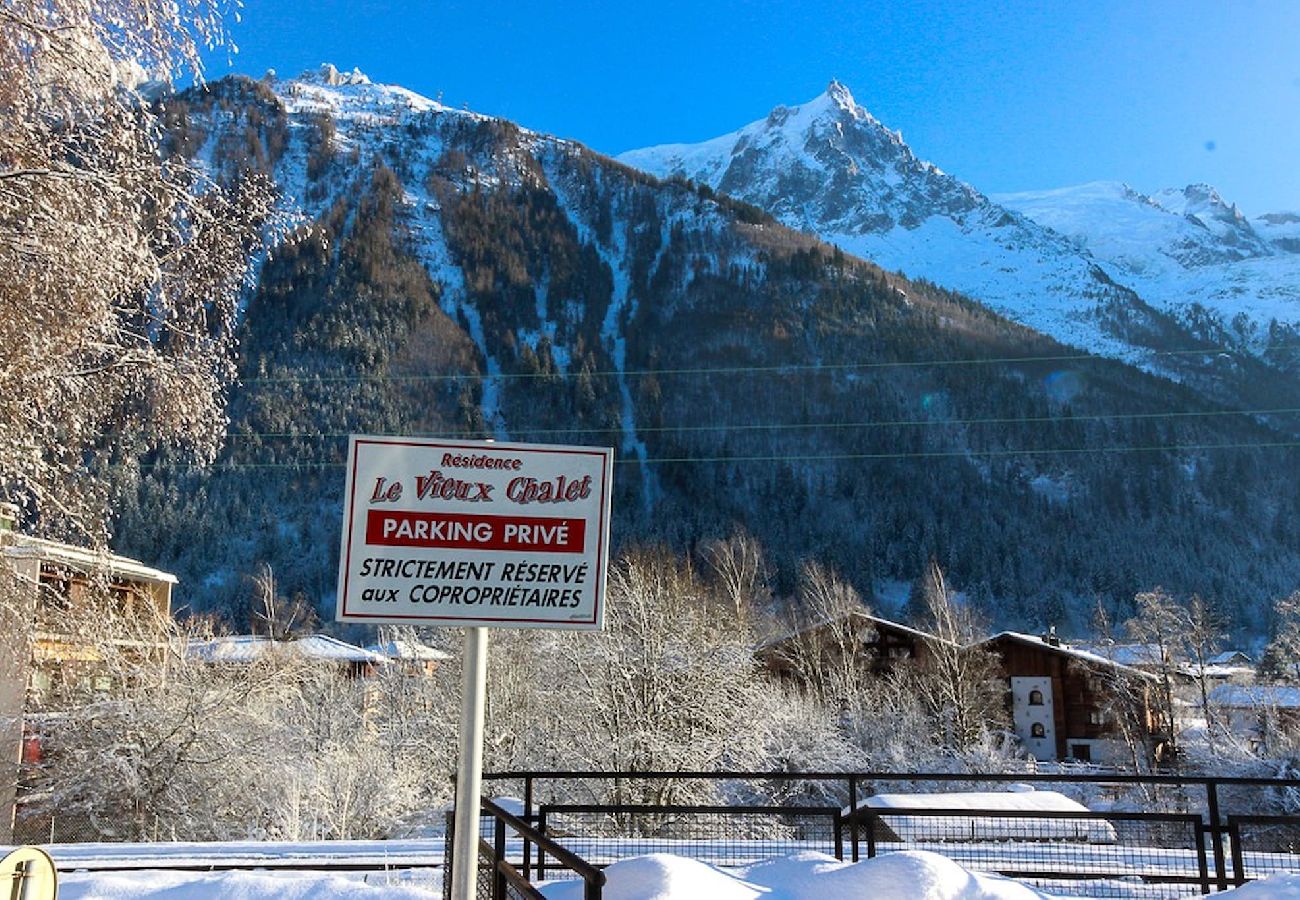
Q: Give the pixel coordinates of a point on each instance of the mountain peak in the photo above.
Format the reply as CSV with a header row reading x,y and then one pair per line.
x,y
839,94
329,75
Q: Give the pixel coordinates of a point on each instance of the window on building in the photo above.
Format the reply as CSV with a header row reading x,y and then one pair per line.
x,y
1097,717
1035,697
1081,752
1037,730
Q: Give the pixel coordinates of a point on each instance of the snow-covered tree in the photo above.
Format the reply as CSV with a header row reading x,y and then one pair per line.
x,y
1163,625
829,634
961,683
1281,659
120,266
669,684
739,565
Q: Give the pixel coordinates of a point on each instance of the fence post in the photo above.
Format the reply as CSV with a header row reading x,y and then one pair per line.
x,y
1238,856
498,856
541,852
1202,868
853,815
448,858
839,835
870,817
1216,832
528,813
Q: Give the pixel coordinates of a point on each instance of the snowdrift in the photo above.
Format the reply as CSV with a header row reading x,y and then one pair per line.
x,y
909,875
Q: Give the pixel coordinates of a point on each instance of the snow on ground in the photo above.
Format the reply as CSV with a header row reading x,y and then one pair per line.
x,y
155,885
1279,887
907,875
805,876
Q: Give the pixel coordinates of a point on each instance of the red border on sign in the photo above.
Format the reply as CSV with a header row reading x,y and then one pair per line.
x,y
600,541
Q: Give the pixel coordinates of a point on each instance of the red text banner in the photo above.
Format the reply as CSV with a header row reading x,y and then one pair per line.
x,y
467,531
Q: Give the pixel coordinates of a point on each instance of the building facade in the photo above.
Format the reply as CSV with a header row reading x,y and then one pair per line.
x,y
1070,704
45,586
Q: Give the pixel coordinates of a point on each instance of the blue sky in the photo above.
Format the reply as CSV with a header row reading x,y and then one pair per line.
x,y
1006,95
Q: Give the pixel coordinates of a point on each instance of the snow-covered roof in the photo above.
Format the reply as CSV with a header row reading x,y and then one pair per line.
x,y
246,648
1125,654
408,650
83,560
1219,672
983,826
1253,696
1016,799
1066,650
1229,658
861,615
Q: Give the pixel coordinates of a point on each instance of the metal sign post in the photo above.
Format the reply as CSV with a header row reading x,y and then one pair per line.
x,y
469,767
474,535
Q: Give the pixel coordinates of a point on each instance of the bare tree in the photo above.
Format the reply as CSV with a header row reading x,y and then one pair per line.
x,y
1163,625
666,685
1204,631
1281,659
738,564
961,682
828,638
120,270
280,618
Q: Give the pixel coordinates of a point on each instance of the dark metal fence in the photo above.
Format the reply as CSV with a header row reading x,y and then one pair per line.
x,y
1165,835
505,847
1065,853
720,835
1263,845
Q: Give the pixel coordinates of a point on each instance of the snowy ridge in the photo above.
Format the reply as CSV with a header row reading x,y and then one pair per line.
x,y
830,168
354,97
1188,252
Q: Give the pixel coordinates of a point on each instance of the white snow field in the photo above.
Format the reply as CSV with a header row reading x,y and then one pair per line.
x,y
907,875
155,885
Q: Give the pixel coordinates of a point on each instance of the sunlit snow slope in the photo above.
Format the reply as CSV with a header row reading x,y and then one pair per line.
x,y
1099,267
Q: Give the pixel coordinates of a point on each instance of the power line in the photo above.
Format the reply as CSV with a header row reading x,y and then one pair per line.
x,y
792,426
811,457
730,370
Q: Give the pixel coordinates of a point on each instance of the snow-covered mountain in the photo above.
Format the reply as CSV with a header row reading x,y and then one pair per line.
x,y
1188,252
453,273
830,168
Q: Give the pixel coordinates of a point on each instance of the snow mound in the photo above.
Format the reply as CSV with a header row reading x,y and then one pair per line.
x,y
228,886
660,876
909,875
1279,887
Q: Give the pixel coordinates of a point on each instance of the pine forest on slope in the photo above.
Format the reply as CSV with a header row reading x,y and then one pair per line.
x,y
456,274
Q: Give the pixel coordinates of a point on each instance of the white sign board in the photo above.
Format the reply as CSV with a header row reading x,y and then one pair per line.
x,y
471,533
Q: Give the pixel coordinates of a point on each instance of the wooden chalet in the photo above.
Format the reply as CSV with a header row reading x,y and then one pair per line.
x,y
878,643
1068,703
43,664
